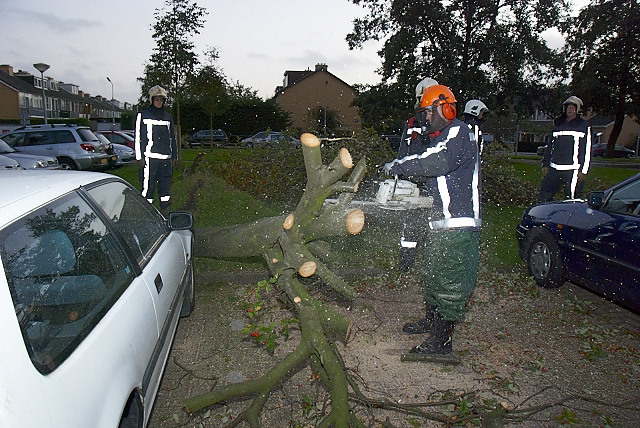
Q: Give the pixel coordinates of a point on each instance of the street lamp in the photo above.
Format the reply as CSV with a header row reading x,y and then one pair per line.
x,y
42,67
113,112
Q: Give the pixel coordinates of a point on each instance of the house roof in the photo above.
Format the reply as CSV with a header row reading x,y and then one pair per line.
x,y
600,121
294,77
18,84
21,85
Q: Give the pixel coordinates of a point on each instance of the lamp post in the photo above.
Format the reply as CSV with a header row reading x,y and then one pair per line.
x,y
113,112
42,67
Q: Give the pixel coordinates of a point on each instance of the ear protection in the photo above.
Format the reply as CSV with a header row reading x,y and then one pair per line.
x,y
448,109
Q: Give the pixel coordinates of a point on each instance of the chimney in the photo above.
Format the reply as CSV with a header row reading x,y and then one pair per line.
x,y
321,67
7,69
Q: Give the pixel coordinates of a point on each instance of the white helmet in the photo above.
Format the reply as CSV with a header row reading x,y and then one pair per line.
x,y
157,91
573,100
474,107
427,82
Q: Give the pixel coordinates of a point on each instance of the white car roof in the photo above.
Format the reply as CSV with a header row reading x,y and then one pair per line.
x,y
23,191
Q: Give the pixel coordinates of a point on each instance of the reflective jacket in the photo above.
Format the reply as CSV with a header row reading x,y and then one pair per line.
x,y
569,146
451,167
155,135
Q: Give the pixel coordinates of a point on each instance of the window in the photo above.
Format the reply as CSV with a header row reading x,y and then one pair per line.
x,y
86,134
625,200
65,271
13,140
140,225
64,137
38,139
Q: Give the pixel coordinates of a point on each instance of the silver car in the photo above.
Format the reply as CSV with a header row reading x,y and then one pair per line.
x,y
28,161
75,147
8,164
125,155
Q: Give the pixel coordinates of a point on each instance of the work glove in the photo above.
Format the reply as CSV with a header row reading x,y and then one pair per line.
x,y
391,168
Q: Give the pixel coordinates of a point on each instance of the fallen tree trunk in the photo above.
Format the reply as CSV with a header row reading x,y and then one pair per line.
x,y
291,247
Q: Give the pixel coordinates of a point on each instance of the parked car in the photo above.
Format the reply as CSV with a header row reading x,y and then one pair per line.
x,y
29,161
594,243
75,147
600,149
393,140
269,139
93,282
8,164
541,149
119,137
125,155
205,137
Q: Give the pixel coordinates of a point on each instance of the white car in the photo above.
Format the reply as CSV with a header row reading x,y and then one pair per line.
x,y
8,164
93,280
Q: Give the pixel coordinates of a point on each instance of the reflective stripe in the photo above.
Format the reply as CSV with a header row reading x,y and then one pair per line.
x,y
145,180
587,153
443,189
475,189
563,167
408,244
165,198
156,155
137,140
574,183
455,222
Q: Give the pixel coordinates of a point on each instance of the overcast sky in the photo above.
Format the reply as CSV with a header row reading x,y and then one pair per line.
x,y
86,41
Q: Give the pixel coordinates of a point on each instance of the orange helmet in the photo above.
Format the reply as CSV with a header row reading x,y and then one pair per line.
x,y
440,95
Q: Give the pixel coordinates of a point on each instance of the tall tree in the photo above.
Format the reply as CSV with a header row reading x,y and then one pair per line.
x,y
173,59
603,44
208,86
488,49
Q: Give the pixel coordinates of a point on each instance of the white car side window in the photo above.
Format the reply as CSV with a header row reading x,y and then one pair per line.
x,y
65,271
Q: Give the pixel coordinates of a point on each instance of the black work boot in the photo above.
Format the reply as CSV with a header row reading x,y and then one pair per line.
x,y
422,325
407,258
438,340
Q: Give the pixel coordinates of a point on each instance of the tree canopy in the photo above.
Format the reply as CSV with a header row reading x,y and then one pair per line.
x,y
488,49
173,59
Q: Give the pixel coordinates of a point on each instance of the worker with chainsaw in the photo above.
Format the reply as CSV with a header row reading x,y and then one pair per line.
x,y
414,140
450,167
566,159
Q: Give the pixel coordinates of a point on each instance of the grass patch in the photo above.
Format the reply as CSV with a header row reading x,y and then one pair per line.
x,y
214,202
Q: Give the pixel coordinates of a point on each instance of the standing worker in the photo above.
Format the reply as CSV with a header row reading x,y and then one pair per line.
x,y
566,159
156,146
451,169
474,111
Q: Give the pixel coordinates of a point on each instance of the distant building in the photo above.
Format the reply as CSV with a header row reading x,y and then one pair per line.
x,y
21,100
603,125
306,95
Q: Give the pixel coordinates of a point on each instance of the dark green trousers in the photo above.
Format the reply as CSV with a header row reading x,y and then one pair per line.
x,y
449,270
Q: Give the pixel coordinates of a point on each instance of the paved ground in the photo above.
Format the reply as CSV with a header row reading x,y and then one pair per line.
x,y
517,348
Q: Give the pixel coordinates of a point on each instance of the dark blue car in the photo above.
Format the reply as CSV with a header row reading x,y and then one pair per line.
x,y
595,243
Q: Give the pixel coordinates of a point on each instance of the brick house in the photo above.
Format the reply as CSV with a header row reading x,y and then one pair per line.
x,y
306,95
